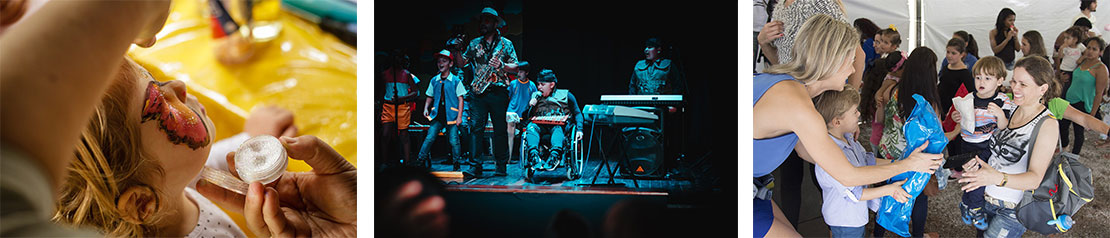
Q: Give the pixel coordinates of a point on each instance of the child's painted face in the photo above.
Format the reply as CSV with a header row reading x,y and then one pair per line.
x,y
443,63
181,123
546,88
1026,91
174,128
952,55
986,85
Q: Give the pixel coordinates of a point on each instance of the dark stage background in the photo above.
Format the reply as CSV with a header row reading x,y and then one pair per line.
x,y
592,46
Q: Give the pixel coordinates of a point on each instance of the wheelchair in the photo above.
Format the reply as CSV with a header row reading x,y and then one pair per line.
x,y
572,160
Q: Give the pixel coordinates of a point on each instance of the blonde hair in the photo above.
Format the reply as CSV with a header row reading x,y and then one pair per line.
x,y
831,104
990,65
821,46
109,160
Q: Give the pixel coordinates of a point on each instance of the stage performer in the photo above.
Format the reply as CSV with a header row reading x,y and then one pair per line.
x,y
550,103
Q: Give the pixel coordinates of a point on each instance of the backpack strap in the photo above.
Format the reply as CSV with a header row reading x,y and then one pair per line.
x,y
1037,130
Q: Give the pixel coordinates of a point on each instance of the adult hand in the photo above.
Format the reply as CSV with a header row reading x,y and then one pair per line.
x,y
771,31
578,136
270,120
980,174
495,62
895,191
426,113
923,162
320,203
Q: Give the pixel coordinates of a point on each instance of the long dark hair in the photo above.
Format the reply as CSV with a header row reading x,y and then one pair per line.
x,y
1000,22
872,80
972,46
919,77
867,29
1036,43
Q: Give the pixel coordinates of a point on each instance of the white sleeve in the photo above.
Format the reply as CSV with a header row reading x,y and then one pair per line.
x,y
218,154
431,88
460,89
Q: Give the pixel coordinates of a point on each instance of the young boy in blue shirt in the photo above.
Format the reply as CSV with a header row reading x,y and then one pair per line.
x,y
520,91
845,208
445,97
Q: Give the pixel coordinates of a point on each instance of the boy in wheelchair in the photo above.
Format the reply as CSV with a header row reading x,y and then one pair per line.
x,y
551,112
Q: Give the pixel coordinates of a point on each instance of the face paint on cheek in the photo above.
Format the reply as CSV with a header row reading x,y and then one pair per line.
x,y
181,124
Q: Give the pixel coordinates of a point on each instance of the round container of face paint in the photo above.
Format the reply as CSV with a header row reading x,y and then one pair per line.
x,y
261,158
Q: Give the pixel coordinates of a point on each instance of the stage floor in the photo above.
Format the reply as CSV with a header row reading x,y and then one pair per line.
x,y
557,178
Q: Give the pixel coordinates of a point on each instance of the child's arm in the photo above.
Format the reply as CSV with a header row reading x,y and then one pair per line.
x,y
894,190
999,115
577,114
955,131
458,118
427,103
996,47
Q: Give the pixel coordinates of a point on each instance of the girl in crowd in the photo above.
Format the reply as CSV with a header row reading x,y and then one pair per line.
x,y
919,77
1004,37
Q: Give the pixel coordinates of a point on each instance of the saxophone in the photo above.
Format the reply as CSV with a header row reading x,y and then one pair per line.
x,y
485,74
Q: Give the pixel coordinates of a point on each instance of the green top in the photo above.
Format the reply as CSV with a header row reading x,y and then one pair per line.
x,y
1082,87
1057,107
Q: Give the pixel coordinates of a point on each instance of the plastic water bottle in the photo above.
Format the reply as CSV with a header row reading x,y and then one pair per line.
x,y
1063,221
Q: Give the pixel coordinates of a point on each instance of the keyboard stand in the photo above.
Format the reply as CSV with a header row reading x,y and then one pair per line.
x,y
604,163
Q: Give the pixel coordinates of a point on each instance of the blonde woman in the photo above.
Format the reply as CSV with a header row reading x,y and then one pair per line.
x,y
822,60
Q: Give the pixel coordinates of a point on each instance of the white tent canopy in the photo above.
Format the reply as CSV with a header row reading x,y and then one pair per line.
x,y
941,18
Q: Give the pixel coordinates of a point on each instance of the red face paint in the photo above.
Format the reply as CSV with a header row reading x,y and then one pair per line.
x,y
181,124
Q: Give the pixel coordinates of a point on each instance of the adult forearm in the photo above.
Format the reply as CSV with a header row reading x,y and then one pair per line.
x,y
998,47
771,53
57,64
865,175
1023,181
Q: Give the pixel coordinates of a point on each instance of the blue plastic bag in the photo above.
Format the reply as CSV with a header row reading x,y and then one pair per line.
x,y
922,125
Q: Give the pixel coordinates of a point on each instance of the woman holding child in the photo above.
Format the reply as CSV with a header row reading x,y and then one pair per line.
x,y
1017,163
823,54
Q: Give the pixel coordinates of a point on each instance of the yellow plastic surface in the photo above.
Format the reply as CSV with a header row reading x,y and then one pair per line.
x,y
304,69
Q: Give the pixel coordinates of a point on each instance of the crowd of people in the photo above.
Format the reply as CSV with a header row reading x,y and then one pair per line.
x,y
815,62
